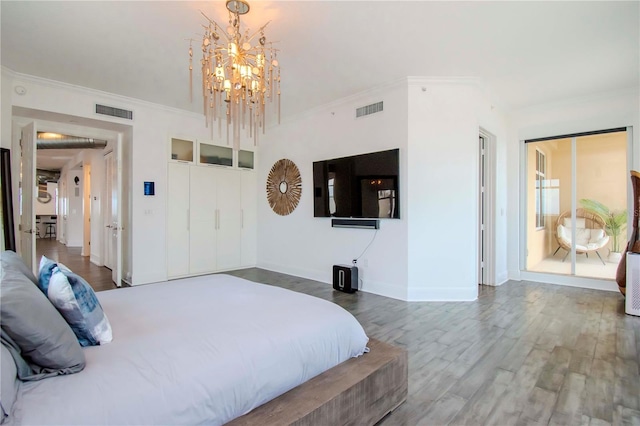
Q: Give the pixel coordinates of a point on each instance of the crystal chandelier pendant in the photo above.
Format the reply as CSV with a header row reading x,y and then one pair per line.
x,y
240,75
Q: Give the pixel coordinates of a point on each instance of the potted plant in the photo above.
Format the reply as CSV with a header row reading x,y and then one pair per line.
x,y
615,222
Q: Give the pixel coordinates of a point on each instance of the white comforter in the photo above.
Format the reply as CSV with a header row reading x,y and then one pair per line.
x,y
198,350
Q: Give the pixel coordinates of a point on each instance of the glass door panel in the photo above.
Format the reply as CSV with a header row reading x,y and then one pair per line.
x,y
548,196
601,191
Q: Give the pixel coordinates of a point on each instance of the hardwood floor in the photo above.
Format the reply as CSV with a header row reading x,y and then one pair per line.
x,y
98,276
522,354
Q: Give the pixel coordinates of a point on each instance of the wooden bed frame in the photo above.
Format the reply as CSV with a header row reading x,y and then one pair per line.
x,y
359,391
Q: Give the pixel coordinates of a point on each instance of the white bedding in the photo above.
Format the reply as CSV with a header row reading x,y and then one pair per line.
x,y
197,350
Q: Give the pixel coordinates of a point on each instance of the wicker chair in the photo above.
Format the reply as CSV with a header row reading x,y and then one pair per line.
x,y
590,233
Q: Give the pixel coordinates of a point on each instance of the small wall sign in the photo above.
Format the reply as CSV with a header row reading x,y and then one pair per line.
x,y
149,188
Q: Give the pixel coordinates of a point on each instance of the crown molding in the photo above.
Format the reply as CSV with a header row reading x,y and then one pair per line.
x,y
120,100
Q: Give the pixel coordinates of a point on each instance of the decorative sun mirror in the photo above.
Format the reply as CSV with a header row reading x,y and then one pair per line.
x,y
284,187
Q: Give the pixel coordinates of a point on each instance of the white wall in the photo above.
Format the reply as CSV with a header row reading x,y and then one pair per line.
x,y
6,94
74,223
302,245
603,111
445,116
50,207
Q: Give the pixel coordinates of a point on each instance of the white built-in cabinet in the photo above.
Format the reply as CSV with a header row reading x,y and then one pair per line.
x,y
211,216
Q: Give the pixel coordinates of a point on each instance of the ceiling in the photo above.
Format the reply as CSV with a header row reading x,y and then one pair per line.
x,y
526,53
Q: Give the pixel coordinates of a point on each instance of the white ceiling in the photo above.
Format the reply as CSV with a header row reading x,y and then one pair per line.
x,y
525,52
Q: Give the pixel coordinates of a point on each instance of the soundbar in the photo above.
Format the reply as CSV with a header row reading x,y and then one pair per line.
x,y
355,223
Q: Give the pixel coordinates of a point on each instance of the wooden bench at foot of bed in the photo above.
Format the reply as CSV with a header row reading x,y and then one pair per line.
x,y
360,391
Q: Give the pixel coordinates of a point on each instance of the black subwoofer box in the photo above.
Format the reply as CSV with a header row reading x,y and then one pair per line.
x,y
345,278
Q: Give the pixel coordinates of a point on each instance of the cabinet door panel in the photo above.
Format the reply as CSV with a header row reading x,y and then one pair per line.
x,y
229,219
202,250
178,220
249,219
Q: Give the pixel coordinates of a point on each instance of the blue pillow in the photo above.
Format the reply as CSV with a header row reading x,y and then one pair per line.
x,y
44,273
77,302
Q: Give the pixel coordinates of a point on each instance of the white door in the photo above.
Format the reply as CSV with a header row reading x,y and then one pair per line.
x,y
109,248
249,225
61,225
203,221
178,220
229,224
481,219
116,214
86,210
27,196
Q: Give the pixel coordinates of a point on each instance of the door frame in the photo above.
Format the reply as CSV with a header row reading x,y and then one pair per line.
x,y
27,200
560,279
487,171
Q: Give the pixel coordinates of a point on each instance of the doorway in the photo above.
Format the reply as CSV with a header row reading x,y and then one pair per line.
x,y
71,183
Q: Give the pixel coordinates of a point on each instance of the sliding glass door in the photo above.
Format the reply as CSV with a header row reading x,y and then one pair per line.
x,y
576,198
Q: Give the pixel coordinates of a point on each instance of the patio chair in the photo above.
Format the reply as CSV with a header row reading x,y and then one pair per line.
x,y
590,233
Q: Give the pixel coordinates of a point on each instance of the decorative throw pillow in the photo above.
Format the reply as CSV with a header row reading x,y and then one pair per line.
x,y
43,337
77,302
44,273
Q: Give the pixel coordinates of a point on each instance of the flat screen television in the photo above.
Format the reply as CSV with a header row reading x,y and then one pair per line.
x,y
359,186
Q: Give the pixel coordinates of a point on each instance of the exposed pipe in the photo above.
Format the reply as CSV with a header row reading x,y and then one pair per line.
x,y
68,142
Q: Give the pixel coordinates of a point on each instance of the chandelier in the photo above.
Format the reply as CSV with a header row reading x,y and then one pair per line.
x,y
240,75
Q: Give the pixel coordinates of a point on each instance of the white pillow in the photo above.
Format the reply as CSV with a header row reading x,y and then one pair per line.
x,y
564,233
582,236
596,235
580,222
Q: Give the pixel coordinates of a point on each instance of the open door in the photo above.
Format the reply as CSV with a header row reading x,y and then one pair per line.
x,y
27,196
116,215
109,241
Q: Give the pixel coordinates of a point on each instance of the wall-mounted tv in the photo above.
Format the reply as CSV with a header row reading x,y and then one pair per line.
x,y
359,186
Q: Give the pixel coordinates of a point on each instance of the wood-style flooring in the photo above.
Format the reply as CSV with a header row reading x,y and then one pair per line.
x,y
98,276
524,353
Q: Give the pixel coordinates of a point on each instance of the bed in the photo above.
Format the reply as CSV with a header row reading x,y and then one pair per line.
x,y
212,349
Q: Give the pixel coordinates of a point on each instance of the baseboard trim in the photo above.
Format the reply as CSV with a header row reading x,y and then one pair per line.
x,y
570,281
367,286
443,294
96,260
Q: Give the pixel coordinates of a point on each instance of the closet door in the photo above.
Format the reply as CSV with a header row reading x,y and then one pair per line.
x,y
178,220
249,225
229,219
202,247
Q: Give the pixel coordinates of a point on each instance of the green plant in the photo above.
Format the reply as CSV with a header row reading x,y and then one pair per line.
x,y
614,222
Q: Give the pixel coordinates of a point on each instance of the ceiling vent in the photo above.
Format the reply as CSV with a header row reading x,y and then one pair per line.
x,y
114,112
369,109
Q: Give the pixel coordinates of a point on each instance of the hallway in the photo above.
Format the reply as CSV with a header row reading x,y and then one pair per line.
x,y
98,276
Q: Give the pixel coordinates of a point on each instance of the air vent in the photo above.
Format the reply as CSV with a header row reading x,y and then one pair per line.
x,y
114,112
369,109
